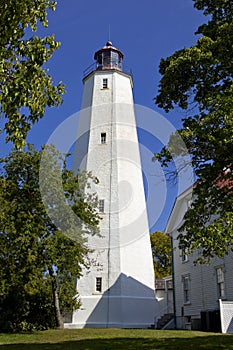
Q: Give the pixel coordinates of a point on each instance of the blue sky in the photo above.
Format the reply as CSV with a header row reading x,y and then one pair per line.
x,y
145,31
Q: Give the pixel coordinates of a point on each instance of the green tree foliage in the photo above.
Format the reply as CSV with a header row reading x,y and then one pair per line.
x,y
199,81
161,252
26,88
39,264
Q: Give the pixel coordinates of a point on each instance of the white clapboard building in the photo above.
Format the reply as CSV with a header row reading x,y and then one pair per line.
x,y
203,292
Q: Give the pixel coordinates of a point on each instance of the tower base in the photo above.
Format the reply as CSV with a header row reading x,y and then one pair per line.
x,y
115,312
126,304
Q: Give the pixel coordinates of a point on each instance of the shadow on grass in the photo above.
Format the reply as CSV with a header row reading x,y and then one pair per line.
x,y
221,342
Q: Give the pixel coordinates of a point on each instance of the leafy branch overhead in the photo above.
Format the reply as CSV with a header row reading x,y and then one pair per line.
x,y
26,88
198,80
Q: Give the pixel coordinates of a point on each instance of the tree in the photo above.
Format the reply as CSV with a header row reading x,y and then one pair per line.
x,y
26,88
39,263
161,252
199,81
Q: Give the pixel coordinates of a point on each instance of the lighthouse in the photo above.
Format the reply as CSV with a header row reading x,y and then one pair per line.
x,y
117,290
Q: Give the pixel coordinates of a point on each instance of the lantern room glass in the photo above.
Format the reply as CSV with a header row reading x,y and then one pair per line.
x,y
109,60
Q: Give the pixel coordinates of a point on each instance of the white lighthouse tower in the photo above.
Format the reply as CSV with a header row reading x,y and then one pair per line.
x,y
118,289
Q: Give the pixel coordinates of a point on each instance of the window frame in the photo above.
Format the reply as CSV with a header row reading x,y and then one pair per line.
x,y
186,289
105,83
184,256
220,280
98,285
103,138
101,205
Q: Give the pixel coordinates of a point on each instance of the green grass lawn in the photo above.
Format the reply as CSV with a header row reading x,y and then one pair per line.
x,y
116,339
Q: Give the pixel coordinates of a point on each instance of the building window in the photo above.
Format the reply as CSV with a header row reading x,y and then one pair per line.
x,y
184,255
105,83
103,137
220,282
101,205
98,284
186,289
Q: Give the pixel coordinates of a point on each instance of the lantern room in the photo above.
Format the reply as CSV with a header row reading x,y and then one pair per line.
x,y
108,58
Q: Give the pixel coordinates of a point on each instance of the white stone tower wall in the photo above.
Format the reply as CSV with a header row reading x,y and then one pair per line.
x,y
122,255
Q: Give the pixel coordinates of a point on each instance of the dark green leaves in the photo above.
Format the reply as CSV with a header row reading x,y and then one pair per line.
x,y
199,80
34,253
26,88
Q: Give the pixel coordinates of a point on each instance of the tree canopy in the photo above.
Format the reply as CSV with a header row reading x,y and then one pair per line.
x,y
39,264
162,254
198,80
26,88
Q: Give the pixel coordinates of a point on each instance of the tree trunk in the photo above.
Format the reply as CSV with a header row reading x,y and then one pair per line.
x,y
57,312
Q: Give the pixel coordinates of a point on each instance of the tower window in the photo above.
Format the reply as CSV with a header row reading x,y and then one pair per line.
x,y
101,205
103,137
98,284
105,83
